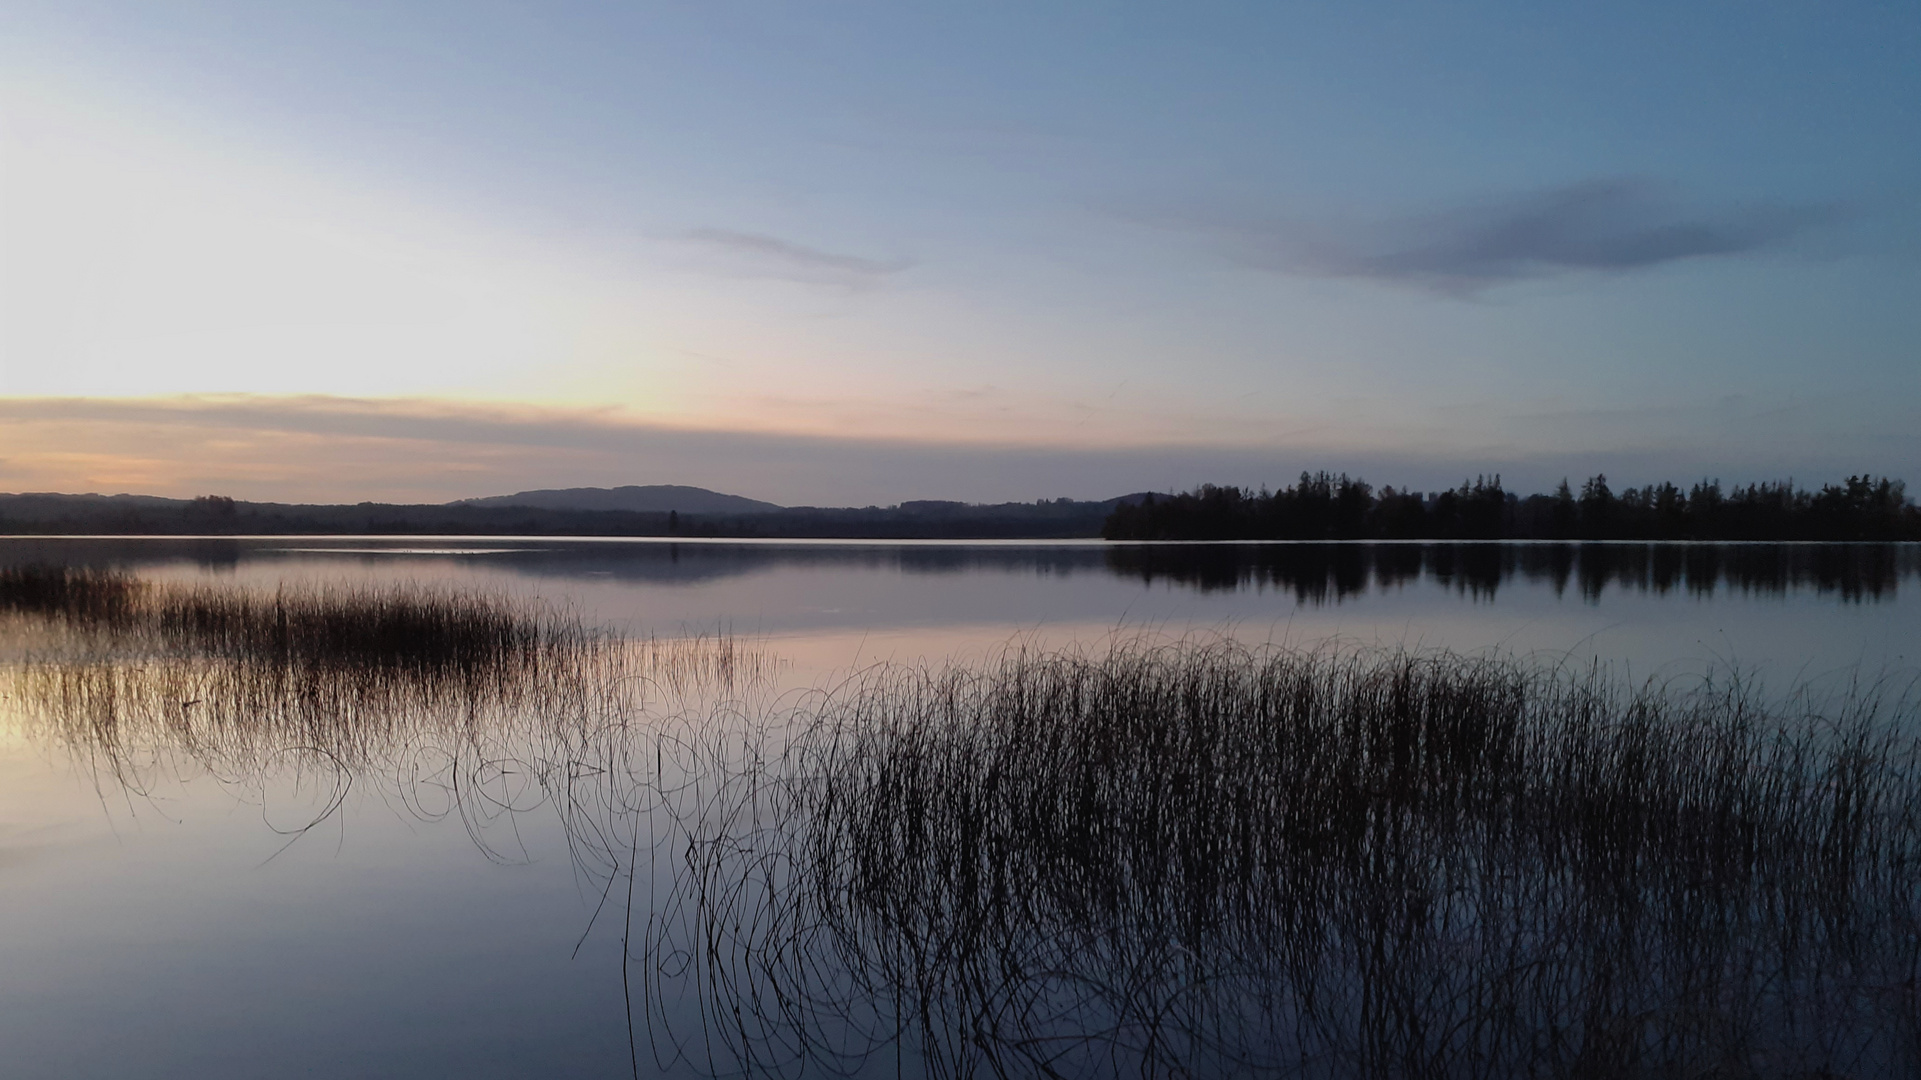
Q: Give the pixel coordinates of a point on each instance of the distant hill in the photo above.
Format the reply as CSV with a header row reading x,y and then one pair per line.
x,y
633,499
47,500
632,511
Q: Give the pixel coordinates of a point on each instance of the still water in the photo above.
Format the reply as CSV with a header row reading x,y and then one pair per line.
x,y
174,908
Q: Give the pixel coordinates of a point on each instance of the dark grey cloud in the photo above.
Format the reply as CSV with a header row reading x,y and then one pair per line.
x,y
756,254
1601,226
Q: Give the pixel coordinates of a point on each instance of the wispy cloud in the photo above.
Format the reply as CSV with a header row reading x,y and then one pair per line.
x,y
759,255
1600,226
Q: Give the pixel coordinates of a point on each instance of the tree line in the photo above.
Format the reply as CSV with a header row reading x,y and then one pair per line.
x,y
218,515
1323,506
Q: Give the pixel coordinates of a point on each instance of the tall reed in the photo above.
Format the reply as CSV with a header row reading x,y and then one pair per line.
x,y
1205,859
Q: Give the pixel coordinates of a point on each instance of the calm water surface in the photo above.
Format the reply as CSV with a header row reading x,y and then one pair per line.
x,y
165,913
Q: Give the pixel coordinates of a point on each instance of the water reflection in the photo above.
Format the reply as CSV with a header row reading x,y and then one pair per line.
x,y
1313,574
1164,858
1330,573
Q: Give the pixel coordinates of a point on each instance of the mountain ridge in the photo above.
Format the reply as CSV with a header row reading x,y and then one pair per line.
x,y
629,498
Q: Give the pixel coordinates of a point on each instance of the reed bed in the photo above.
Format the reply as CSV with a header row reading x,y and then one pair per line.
x,y
1204,859
440,698
121,661
74,594
424,632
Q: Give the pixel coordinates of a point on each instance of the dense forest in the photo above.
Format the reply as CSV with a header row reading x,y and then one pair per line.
x,y
1328,507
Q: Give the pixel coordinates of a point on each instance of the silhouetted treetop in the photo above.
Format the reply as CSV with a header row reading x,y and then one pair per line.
x,y
1323,506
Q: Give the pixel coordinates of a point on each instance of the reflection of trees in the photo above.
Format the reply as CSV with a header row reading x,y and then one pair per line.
x,y
1183,859
1320,573
1314,573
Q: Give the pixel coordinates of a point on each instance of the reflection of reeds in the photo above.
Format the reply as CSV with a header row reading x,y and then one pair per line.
x,y
210,671
424,632
1203,859
148,681
683,664
59,592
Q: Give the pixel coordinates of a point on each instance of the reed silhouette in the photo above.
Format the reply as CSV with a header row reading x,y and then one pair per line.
x,y
431,633
1201,859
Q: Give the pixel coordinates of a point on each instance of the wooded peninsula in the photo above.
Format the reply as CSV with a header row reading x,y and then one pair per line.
x,y
1323,506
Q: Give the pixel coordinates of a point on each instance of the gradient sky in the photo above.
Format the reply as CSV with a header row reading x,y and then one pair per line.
x,y
856,253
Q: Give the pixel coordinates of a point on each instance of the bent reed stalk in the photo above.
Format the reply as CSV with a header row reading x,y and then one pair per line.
x,y
1201,858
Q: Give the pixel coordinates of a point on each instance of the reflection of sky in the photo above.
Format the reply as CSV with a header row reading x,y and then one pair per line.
x,y
1786,609
159,935
386,943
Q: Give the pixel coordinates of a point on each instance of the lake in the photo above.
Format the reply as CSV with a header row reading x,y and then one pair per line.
x,y
450,890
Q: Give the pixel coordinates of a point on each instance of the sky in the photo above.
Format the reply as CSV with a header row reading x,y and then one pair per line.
x,y
850,254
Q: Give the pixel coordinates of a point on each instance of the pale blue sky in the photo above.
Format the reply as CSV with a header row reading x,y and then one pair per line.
x,y
1125,245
